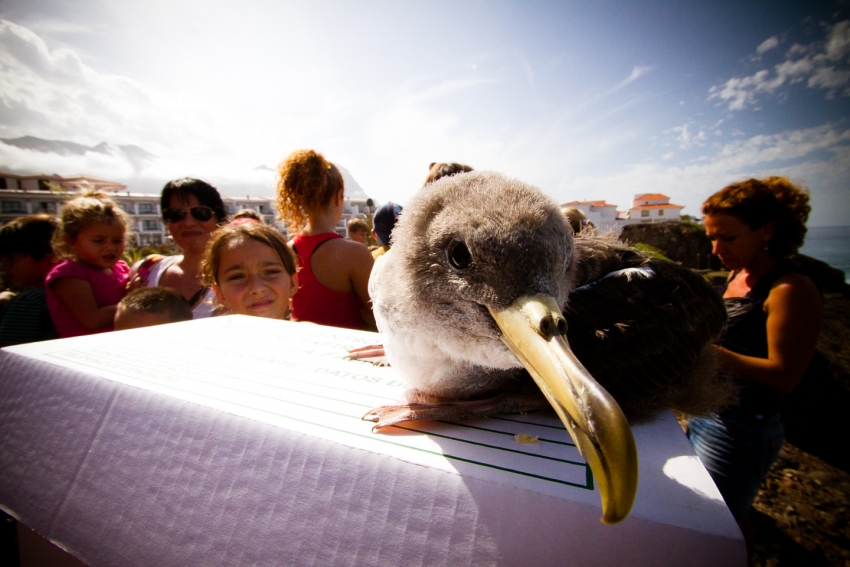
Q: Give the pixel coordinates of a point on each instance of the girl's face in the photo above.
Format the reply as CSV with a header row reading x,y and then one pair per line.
x,y
734,242
252,280
191,234
99,246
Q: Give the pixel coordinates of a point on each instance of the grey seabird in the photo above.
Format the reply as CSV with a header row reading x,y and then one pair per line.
x,y
485,284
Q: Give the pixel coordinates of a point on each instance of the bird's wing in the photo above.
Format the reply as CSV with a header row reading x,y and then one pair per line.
x,y
639,331
597,256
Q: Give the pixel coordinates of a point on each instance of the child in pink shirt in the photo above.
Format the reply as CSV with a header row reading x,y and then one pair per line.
x,y
84,290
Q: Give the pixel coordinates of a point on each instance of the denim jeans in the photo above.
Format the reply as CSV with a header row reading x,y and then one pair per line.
x,y
738,453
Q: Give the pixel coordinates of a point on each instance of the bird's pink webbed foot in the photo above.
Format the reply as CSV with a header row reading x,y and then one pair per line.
x,y
425,407
372,353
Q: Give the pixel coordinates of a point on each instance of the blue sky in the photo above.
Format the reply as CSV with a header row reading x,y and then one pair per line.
x,y
591,100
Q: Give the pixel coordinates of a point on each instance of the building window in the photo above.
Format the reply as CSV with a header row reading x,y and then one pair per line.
x,y
150,225
147,209
128,208
660,212
43,185
13,207
264,209
644,213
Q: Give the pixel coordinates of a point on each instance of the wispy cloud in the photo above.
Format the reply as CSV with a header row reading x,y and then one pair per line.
x,y
637,73
822,65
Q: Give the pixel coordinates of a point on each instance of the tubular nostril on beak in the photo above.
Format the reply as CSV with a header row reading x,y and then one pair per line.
x,y
547,327
550,326
561,323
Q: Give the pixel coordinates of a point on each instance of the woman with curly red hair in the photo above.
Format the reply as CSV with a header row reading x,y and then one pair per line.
x,y
775,315
333,272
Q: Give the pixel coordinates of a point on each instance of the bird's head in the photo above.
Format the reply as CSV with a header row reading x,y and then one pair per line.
x,y
493,259
480,241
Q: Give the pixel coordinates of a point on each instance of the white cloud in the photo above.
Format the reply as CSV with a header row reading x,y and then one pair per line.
x,y
686,139
820,154
767,45
838,42
52,93
821,65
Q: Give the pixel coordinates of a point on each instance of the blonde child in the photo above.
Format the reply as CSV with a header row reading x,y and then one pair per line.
x,y
84,290
251,269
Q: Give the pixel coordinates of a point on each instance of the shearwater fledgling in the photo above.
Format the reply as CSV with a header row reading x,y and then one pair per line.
x,y
486,284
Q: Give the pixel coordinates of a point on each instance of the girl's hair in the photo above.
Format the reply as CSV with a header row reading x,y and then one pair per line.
x,y
755,202
205,193
306,184
262,233
439,170
79,213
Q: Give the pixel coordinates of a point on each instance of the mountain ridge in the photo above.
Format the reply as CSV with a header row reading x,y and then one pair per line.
x,y
140,159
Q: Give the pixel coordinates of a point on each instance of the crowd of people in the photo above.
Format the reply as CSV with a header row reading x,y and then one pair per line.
x,y
72,280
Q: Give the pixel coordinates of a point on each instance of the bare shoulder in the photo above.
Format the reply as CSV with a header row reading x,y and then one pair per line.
x,y
796,283
796,292
348,250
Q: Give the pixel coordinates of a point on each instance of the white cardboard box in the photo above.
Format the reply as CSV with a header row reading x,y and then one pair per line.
x,y
238,441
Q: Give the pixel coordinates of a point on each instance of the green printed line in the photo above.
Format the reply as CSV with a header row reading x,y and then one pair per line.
x,y
490,446
558,427
462,424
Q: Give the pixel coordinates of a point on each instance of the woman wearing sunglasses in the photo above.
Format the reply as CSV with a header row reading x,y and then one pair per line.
x,y
192,209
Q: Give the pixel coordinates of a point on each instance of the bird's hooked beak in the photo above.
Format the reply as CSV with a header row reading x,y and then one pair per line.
x,y
534,329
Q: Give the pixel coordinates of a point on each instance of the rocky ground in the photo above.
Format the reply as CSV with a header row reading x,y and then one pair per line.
x,y
802,515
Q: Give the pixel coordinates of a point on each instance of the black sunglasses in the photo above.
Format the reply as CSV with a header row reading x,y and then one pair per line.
x,y
175,214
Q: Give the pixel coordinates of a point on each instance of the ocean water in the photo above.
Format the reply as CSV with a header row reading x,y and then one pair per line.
x,y
830,244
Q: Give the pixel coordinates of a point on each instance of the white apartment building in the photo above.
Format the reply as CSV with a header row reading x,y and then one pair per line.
x,y
603,215
654,207
22,195
353,208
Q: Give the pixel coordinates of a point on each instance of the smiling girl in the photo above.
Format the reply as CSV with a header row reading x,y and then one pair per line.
x,y
83,291
251,269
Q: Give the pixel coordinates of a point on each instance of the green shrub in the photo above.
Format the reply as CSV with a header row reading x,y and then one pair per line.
x,y
650,251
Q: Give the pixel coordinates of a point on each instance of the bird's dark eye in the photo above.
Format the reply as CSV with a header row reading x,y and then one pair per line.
x,y
459,255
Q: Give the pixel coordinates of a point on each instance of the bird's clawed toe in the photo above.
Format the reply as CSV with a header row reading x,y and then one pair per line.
x,y
372,353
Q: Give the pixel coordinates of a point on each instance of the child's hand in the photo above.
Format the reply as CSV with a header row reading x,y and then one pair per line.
x,y
134,283
5,297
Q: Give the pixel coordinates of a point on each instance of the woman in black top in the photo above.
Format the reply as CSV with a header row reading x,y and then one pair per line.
x,y
774,319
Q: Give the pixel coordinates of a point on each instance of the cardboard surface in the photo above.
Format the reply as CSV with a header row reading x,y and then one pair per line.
x,y
238,440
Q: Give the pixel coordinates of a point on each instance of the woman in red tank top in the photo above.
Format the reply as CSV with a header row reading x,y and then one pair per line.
x,y
333,272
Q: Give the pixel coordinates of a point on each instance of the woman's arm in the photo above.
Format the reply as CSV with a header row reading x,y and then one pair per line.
x,y
794,312
78,297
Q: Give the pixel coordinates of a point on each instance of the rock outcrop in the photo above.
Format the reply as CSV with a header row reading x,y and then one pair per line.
x,y
685,243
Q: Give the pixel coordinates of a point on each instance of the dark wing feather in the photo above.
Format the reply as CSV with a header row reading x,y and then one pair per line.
x,y
640,336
